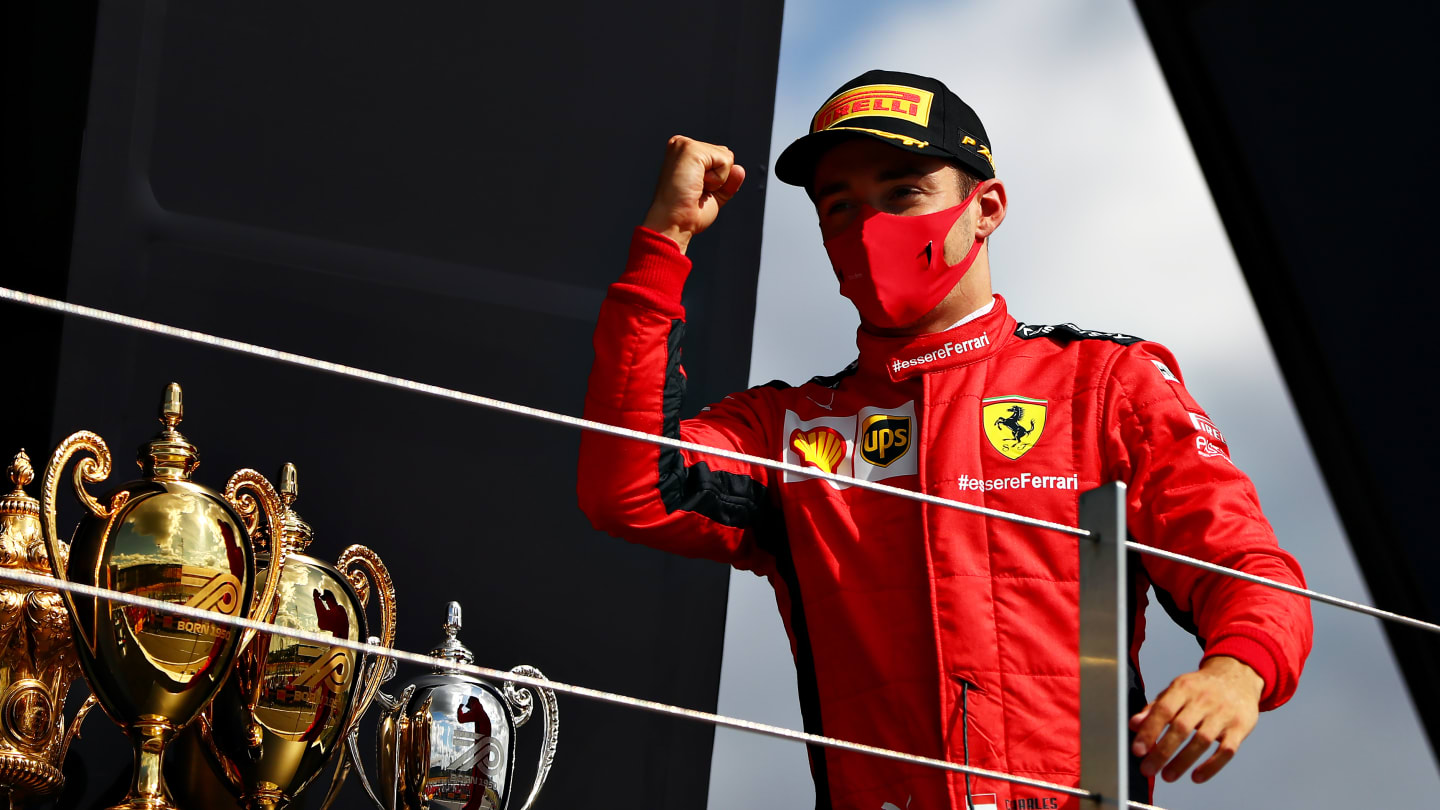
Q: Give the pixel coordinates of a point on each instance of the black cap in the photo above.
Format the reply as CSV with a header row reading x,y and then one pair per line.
x,y
914,113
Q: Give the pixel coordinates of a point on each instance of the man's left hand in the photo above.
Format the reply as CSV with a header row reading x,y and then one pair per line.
x,y
1219,703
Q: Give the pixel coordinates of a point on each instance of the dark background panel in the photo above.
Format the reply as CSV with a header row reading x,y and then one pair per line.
x,y
439,193
1313,123
47,78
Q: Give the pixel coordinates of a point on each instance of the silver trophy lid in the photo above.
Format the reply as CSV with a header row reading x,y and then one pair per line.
x,y
451,649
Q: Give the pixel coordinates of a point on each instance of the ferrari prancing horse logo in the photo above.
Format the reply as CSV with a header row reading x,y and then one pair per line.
x,y
1013,424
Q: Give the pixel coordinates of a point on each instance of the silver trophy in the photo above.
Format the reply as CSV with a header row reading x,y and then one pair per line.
x,y
448,740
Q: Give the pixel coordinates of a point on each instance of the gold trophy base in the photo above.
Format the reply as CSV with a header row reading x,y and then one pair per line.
x,y
28,775
268,796
147,788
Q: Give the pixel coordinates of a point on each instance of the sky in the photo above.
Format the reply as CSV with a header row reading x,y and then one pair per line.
x,y
1110,226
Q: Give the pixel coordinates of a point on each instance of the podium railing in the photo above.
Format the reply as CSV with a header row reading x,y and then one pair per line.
x,y
1102,549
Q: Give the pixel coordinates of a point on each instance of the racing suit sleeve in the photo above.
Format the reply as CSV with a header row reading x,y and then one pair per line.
x,y
694,504
1185,495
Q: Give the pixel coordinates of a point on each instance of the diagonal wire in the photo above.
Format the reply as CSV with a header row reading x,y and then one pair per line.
x,y
154,327
655,707
490,403
1282,586
166,330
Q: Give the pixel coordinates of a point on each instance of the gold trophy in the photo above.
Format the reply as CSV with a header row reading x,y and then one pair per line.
x,y
37,660
293,704
166,538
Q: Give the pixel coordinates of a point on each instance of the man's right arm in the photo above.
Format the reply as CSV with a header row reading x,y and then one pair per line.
x,y
694,504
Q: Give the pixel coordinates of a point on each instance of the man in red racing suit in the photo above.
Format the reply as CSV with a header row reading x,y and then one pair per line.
x,y
922,628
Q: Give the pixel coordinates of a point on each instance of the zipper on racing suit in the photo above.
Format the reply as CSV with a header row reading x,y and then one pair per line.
x,y
965,737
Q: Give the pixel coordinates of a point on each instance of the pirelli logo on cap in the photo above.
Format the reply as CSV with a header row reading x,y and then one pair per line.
x,y
888,100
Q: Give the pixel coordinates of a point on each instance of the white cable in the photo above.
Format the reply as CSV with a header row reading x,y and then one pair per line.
x,y
80,311
153,327
1282,586
325,639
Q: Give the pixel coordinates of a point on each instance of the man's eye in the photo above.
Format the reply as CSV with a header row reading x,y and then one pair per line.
x,y
837,207
900,192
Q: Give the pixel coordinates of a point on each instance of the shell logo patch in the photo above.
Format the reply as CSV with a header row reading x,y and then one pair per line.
x,y
1013,424
884,438
821,447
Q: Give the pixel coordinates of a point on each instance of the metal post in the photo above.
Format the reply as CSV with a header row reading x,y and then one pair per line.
x,y
1104,731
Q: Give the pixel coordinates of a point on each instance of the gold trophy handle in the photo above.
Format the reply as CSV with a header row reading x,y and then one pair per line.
x,y
92,470
238,492
363,568
364,571
390,729
219,763
73,730
266,499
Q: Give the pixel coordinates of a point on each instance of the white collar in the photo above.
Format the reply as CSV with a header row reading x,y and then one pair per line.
x,y
979,313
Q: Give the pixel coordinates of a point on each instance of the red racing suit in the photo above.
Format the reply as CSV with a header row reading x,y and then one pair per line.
x,y
918,627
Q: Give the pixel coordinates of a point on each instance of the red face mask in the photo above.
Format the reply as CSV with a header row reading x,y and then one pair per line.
x,y
893,268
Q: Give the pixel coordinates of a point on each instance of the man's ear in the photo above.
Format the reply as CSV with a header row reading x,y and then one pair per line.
x,y
992,209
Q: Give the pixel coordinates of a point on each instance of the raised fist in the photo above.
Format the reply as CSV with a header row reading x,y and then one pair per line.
x,y
695,180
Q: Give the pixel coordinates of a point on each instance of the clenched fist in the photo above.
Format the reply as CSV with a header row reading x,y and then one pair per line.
x,y
696,179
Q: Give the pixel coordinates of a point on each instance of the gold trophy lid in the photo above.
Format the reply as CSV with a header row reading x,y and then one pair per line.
x,y
297,532
21,542
169,456
18,503
451,649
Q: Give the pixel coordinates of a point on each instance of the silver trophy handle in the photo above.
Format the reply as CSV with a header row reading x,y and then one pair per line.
x,y
352,754
522,702
385,669
343,765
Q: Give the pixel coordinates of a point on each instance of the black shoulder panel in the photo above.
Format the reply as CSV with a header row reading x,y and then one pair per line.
x,y
730,499
833,381
1069,331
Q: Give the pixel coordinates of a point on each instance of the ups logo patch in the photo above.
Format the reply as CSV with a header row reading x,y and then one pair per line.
x,y
885,439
